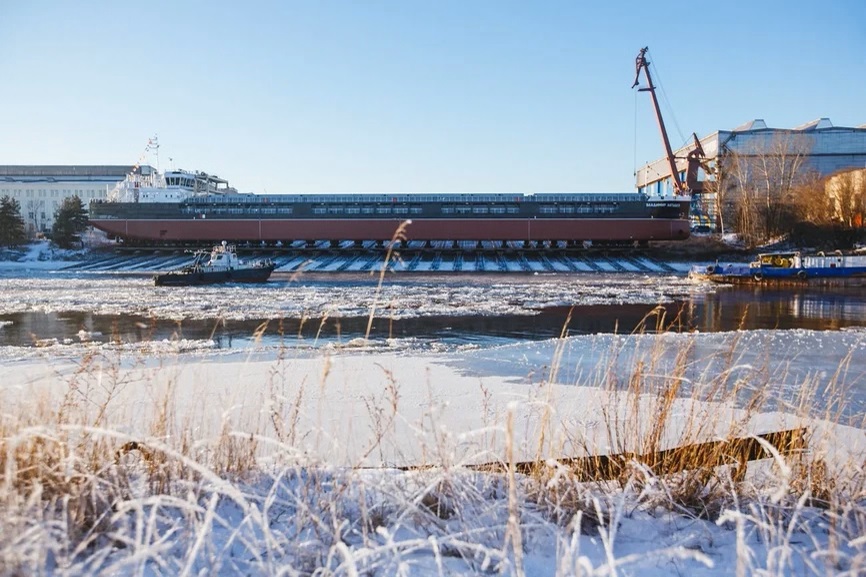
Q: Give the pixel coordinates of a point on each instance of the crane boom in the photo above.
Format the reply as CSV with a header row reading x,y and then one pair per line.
x,y
641,63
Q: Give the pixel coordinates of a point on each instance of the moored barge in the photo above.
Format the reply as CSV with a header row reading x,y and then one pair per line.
x,y
168,210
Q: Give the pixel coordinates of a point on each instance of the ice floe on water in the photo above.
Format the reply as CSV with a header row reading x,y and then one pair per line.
x,y
53,348
828,367
825,366
314,298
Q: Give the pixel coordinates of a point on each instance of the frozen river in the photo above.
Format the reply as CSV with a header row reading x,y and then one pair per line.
x,y
423,310
486,325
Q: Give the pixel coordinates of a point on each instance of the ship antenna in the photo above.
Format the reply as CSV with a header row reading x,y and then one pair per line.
x,y
153,144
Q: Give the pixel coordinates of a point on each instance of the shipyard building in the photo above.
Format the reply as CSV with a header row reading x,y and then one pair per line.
x,y
40,189
817,148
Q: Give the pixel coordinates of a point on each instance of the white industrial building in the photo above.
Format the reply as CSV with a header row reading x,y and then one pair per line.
x,y
40,189
825,150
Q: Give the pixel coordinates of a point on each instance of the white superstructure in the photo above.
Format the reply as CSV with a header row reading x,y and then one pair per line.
x,y
168,186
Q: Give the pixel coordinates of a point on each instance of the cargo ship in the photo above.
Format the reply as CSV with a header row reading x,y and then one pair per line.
x,y
181,208
187,208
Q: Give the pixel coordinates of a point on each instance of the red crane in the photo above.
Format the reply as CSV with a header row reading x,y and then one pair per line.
x,y
680,188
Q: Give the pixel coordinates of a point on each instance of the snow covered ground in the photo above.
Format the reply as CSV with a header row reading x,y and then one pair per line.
x,y
39,256
322,498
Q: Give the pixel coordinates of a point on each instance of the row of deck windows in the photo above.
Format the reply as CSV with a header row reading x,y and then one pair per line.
x,y
477,209
403,210
196,210
435,198
179,181
579,209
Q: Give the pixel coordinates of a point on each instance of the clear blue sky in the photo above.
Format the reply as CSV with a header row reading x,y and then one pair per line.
x,y
405,95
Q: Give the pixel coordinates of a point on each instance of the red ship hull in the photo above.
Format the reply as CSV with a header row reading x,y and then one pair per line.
x,y
272,230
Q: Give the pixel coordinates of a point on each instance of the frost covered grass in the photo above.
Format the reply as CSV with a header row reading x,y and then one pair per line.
x,y
367,464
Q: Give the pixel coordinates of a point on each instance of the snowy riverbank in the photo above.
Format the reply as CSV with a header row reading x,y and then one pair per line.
x,y
284,463
40,256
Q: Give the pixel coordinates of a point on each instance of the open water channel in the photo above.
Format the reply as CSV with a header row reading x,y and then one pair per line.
x,y
445,310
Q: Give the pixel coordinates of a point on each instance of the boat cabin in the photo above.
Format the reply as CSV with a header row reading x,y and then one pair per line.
x,y
778,260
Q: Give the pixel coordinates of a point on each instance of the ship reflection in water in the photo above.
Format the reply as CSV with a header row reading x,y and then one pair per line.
x,y
813,308
728,309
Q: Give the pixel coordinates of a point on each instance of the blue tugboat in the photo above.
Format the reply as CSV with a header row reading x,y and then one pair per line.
x,y
221,266
790,268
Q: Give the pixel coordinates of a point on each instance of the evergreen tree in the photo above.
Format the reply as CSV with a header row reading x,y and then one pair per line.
x,y
11,223
70,220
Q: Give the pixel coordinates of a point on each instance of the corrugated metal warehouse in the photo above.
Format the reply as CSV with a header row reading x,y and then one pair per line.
x,y
825,149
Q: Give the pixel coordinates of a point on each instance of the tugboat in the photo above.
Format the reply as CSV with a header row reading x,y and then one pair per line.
x,y
221,266
790,268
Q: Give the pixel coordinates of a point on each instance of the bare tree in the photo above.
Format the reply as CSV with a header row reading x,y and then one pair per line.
x,y
847,195
810,201
746,197
715,195
35,209
758,180
780,169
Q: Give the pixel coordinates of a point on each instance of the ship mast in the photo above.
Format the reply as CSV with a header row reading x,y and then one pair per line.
x,y
641,63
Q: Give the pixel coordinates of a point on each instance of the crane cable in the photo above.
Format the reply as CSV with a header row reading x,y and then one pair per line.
x,y
634,140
